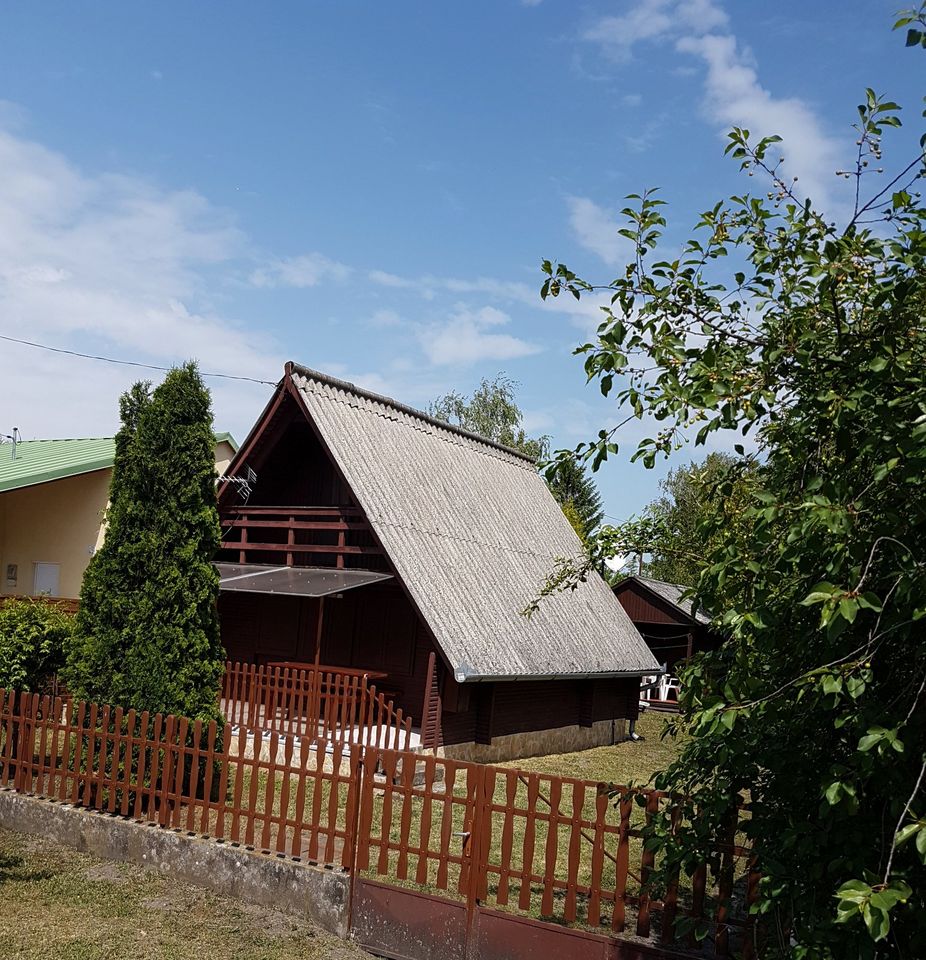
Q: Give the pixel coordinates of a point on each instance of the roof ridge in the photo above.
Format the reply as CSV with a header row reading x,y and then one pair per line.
x,y
58,440
349,387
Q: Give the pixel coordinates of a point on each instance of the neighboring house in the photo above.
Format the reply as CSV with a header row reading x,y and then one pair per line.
x,y
360,533
53,496
669,623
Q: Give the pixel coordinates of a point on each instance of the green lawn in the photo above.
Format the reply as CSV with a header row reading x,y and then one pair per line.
x,y
621,763
61,904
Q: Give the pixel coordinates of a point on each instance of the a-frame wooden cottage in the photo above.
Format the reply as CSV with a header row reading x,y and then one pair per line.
x,y
360,533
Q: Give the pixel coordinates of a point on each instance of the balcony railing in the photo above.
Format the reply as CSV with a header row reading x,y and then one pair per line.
x,y
319,704
304,536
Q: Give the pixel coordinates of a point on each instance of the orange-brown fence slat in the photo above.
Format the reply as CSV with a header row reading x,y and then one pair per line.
x,y
110,777
649,858
750,939
407,775
527,846
41,766
317,798
280,846
389,772
365,822
296,848
168,760
424,828
334,799
266,836
575,840
238,788
618,916
725,886
225,761
511,789
670,901
352,809
446,831
468,832
698,890
64,780
549,869
254,767
7,705
601,813
208,773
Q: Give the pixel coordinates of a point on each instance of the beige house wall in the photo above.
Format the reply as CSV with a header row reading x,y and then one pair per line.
x,y
59,522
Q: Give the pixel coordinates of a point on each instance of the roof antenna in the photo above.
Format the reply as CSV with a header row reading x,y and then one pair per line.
x,y
15,437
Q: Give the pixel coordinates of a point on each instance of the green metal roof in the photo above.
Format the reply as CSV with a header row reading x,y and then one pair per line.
x,y
40,461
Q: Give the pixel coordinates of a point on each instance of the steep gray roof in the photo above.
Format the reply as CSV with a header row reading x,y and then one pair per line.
x,y
472,531
673,593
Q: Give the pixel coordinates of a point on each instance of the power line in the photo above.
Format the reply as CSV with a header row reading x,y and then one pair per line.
x,y
125,363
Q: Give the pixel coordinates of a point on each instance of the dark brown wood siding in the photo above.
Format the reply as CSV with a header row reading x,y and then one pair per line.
x,y
643,607
372,627
526,705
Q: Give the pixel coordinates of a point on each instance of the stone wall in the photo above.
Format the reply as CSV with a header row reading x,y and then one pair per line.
x,y
313,893
538,743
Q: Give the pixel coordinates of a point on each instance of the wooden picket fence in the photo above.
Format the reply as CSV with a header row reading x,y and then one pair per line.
x,y
555,850
341,708
285,795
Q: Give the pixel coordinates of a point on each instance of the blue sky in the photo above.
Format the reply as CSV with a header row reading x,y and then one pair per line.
x,y
369,188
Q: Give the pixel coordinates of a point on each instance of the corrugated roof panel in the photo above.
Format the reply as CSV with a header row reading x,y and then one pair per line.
x,y
473,532
39,461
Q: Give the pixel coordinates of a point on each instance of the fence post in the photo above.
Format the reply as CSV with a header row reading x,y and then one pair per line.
x,y
23,710
478,854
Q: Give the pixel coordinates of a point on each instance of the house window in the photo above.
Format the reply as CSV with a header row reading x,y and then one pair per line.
x,y
46,580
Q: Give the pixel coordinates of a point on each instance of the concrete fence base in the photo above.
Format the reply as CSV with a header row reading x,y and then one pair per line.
x,y
319,895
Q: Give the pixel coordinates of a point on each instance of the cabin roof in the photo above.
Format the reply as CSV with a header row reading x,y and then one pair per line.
x,y
472,531
673,593
41,461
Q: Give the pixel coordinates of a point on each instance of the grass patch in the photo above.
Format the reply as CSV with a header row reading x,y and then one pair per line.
x,y
64,904
621,763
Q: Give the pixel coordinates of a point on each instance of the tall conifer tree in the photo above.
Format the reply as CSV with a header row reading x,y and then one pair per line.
x,y
147,632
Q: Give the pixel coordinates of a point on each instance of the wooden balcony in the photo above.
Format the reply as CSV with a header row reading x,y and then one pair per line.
x,y
300,536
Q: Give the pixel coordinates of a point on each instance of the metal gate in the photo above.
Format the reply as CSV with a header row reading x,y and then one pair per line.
x,y
470,862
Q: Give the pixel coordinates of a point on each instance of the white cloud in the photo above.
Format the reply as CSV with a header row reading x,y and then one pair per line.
x,y
385,279
386,318
466,338
733,93
653,20
596,230
307,270
111,265
734,96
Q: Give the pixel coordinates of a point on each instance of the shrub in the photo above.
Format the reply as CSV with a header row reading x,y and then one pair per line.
x,y
33,638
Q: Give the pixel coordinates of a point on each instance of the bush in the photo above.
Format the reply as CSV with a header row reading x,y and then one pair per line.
x,y
33,637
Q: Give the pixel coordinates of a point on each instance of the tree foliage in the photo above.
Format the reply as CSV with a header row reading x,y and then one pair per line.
x,y
676,528
492,412
810,338
577,493
147,631
33,637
